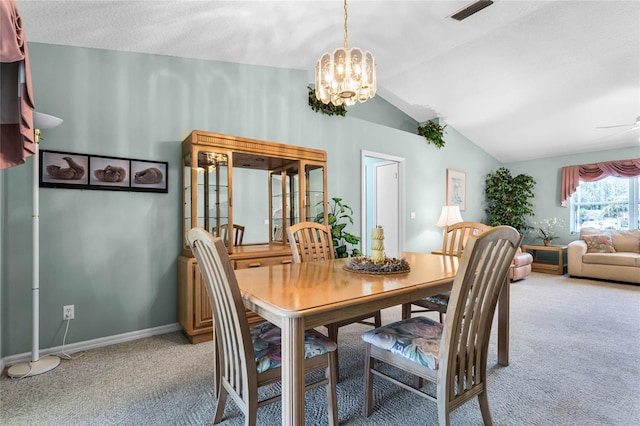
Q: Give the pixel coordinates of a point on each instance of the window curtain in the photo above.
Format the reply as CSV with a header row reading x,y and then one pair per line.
x,y
572,175
16,113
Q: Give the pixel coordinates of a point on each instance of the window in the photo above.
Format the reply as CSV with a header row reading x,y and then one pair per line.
x,y
612,203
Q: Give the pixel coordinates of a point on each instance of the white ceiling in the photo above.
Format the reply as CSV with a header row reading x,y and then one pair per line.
x,y
521,79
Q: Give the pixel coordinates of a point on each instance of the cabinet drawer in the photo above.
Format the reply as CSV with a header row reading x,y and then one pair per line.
x,y
263,261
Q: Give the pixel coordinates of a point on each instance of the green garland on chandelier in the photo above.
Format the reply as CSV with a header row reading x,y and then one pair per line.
x,y
328,109
433,133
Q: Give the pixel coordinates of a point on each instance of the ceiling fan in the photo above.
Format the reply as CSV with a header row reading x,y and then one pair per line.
x,y
635,125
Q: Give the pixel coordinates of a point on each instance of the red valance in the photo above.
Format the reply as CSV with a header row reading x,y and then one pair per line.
x,y
16,125
572,175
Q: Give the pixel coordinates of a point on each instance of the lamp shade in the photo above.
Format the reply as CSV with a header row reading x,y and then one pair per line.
x,y
45,121
449,216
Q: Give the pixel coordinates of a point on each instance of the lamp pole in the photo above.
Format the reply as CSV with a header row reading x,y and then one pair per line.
x,y
37,365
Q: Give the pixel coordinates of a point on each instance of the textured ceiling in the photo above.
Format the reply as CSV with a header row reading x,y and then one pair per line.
x,y
521,79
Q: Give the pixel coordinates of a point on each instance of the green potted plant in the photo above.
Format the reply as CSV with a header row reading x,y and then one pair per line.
x,y
546,229
433,133
508,199
344,243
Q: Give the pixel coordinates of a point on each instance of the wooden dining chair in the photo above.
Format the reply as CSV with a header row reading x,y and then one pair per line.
x,y
454,240
250,357
312,242
238,233
452,355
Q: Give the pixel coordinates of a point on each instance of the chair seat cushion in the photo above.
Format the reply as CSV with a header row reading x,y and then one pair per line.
x,y
417,339
268,350
439,299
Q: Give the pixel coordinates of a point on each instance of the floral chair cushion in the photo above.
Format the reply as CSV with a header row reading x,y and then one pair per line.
x,y
267,349
417,339
439,299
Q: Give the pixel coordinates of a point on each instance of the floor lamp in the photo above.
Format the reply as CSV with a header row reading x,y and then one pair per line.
x,y
37,365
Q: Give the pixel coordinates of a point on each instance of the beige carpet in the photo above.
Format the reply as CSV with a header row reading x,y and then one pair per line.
x,y
575,351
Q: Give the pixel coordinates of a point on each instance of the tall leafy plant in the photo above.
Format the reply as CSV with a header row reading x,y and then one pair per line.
x,y
339,215
509,199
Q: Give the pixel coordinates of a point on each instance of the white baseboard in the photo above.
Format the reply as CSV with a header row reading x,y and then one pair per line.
x,y
92,344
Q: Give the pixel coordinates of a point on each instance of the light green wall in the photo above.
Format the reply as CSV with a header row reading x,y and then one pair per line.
x,y
113,254
378,110
547,173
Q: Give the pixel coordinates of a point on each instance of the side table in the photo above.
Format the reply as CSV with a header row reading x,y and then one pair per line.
x,y
547,264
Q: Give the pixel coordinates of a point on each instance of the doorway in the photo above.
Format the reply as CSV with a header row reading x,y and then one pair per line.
x,y
383,201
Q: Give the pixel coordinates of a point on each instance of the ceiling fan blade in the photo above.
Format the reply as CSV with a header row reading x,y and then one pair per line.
x,y
636,124
619,125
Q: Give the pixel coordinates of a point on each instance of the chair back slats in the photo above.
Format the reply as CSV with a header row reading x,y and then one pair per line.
x,y
233,340
238,368
310,242
455,236
238,234
463,352
278,233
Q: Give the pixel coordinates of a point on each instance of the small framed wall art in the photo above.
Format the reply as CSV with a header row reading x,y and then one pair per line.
x,y
109,172
457,189
64,170
83,171
148,176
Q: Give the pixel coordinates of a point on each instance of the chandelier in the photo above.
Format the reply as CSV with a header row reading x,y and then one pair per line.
x,y
347,75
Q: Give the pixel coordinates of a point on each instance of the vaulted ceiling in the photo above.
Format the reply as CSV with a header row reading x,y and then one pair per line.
x,y
521,79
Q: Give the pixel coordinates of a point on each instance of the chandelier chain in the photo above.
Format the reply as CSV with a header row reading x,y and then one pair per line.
x,y
346,31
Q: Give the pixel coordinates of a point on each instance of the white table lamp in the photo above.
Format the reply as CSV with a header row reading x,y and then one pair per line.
x,y
449,216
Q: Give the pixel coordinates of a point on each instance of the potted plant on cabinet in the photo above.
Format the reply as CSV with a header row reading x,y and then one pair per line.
x,y
546,229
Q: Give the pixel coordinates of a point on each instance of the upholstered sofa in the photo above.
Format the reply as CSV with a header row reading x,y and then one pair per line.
x,y
607,255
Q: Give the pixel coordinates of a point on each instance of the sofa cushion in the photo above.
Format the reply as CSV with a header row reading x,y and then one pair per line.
x,y
599,243
626,240
618,259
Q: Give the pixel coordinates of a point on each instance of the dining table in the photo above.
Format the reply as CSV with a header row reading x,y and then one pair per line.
x,y
301,296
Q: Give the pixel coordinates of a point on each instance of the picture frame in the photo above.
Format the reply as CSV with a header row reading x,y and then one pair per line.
x,y
64,170
60,169
109,172
457,189
150,176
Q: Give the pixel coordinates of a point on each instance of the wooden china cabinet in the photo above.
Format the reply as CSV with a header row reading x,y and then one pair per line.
x,y
263,186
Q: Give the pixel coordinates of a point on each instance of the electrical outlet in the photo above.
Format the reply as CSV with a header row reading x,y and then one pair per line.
x,y
68,312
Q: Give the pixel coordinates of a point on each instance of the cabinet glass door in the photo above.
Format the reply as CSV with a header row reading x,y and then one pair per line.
x,y
213,191
293,193
314,193
279,183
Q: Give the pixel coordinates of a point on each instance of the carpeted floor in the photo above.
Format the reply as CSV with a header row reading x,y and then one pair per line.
x,y
575,346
